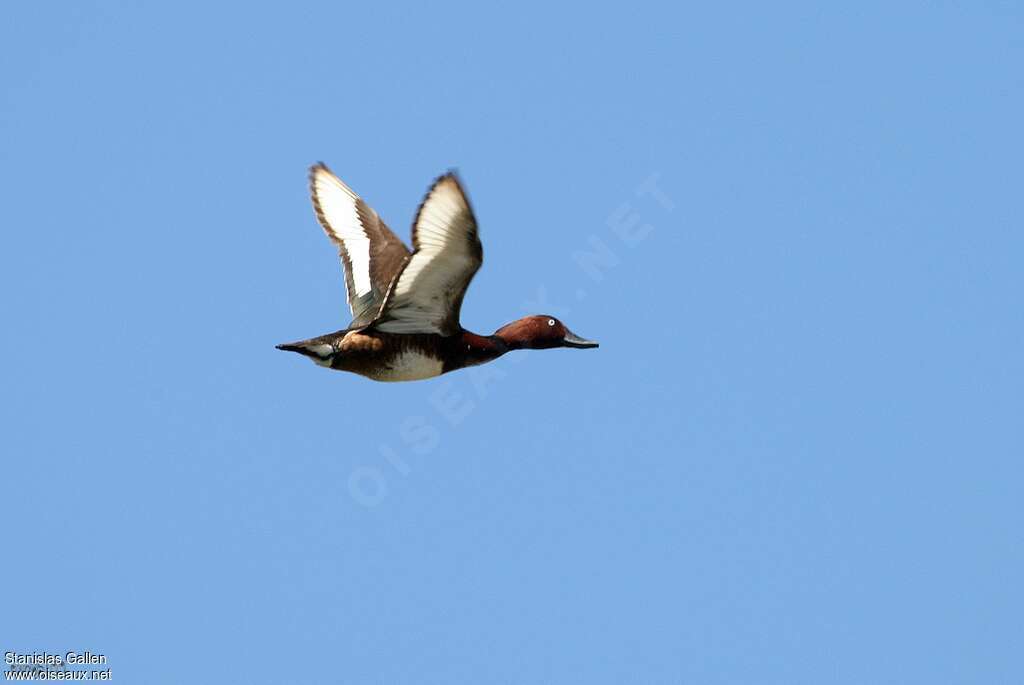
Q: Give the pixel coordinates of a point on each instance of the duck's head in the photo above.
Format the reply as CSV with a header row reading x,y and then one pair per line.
x,y
540,332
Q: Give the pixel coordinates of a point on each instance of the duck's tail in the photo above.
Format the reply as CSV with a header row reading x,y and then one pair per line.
x,y
319,351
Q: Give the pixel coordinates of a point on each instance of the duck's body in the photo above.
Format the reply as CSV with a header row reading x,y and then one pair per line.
x,y
398,356
405,306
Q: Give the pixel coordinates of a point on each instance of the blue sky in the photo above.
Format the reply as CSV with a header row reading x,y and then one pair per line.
x,y
796,457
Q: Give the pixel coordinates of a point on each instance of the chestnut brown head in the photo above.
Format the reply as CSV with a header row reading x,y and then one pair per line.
x,y
540,332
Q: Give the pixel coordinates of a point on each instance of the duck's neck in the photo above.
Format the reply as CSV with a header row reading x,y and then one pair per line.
x,y
518,335
484,343
478,349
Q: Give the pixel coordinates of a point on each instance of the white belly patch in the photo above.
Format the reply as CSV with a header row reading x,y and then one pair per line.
x,y
410,366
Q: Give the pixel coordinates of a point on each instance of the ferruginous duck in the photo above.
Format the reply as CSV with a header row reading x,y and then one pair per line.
x,y
405,306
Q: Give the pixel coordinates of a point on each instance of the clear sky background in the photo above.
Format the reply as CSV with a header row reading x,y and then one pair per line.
x,y
796,457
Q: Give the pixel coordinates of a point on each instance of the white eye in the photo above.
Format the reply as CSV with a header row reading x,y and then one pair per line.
x,y
551,322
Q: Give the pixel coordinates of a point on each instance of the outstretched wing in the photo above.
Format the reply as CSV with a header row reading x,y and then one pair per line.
x,y
371,254
427,295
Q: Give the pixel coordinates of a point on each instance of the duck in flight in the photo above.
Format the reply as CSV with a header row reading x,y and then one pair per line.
x,y
405,306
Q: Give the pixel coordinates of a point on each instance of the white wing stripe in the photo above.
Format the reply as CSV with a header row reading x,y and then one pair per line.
x,y
338,204
429,290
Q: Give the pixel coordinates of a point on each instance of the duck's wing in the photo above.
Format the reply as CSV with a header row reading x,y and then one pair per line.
x,y
427,294
371,254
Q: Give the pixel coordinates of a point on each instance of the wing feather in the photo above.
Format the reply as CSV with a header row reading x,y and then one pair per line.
x,y
427,294
370,252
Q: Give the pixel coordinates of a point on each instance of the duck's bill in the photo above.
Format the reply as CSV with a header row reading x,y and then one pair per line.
x,y
573,340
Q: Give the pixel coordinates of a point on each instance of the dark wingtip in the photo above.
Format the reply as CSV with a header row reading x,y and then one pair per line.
x,y
453,175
